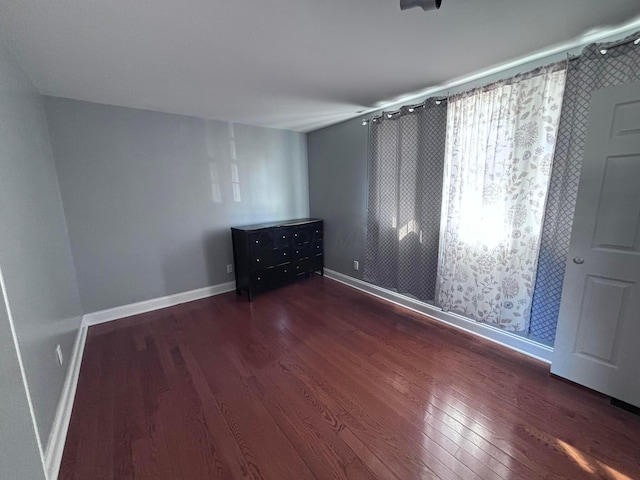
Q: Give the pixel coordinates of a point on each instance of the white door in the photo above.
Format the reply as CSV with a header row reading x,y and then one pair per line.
x,y
598,338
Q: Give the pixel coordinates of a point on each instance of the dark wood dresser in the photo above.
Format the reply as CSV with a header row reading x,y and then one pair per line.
x,y
268,255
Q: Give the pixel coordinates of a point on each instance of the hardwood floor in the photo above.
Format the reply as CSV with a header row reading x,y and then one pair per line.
x,y
317,380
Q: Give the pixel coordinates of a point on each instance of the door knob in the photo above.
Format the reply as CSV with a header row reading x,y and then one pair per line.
x,y
578,260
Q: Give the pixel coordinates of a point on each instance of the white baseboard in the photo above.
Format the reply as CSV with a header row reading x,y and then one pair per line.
x,y
488,332
58,435
137,308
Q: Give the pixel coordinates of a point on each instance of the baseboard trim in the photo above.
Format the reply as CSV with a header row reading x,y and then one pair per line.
x,y
137,308
58,435
493,334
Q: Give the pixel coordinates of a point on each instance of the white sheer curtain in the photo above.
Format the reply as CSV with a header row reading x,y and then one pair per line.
x,y
500,145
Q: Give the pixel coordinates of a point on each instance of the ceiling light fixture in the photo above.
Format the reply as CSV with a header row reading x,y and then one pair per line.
x,y
636,41
364,122
603,51
411,109
424,4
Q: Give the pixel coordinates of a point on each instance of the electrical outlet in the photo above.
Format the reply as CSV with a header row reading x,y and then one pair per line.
x,y
356,265
230,268
59,355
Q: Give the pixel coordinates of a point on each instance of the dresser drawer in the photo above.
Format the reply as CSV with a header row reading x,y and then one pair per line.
x,y
270,239
309,264
301,251
271,276
269,258
306,234
317,247
308,250
261,240
282,238
302,236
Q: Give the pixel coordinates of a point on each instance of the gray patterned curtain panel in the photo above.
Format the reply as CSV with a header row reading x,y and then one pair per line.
x,y
591,71
406,161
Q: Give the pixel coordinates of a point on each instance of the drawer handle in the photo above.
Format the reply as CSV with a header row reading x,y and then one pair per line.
x,y
283,236
295,235
285,271
256,241
259,278
298,267
257,259
285,254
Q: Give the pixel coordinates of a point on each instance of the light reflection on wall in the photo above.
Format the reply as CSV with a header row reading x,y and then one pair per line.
x,y
216,194
235,182
235,177
214,168
248,174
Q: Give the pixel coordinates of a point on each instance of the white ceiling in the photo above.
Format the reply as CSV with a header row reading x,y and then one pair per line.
x,y
295,64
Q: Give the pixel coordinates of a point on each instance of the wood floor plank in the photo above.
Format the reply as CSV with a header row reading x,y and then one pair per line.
x,y
318,380
437,453
83,442
248,418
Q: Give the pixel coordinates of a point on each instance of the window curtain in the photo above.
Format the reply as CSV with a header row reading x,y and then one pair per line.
x,y
406,161
499,150
585,74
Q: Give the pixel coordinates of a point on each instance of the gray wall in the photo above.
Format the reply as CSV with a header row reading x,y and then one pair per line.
x,y
34,257
19,457
139,189
338,183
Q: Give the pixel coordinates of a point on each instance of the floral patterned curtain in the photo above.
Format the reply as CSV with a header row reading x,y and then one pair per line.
x,y
500,146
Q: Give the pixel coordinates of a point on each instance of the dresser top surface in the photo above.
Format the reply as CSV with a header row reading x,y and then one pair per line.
x,y
283,223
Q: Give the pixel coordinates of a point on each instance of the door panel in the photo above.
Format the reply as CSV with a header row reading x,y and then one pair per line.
x,y
598,337
619,209
626,119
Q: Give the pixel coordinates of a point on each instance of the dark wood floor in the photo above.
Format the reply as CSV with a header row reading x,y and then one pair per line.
x,y
317,380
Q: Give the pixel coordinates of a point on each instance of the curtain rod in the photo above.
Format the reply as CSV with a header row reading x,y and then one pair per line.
x,y
410,109
608,46
603,50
